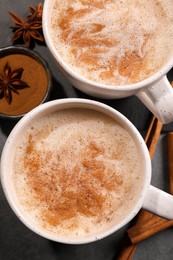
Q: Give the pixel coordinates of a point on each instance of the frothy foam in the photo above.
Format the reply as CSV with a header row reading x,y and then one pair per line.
x,y
113,42
77,172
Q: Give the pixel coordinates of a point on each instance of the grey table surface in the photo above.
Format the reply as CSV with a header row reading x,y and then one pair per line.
x,y
17,241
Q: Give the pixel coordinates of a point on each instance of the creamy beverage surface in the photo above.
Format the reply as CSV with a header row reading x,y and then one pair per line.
x,y
76,172
113,42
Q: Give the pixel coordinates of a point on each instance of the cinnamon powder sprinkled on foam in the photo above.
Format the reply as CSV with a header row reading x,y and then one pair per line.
x,y
71,170
105,41
83,197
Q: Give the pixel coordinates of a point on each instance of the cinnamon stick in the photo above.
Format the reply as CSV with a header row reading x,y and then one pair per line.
x,y
153,134
154,225
151,139
170,160
127,251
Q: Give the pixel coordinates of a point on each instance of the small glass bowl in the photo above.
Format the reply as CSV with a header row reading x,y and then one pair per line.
x,y
10,50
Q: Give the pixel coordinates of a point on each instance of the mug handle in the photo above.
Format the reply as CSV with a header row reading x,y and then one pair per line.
x,y
158,98
159,202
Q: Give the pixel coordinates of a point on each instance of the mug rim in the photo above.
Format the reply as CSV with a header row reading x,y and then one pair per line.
x,y
47,7
50,106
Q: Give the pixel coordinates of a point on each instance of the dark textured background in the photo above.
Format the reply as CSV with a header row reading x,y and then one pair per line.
x,y
16,241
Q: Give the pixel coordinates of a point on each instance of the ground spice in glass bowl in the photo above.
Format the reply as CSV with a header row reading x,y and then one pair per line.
x,y
30,82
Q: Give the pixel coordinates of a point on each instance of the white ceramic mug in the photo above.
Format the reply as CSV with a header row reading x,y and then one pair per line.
x,y
155,92
150,198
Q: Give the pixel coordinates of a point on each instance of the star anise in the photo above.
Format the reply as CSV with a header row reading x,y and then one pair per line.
x,y
10,81
27,29
36,13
